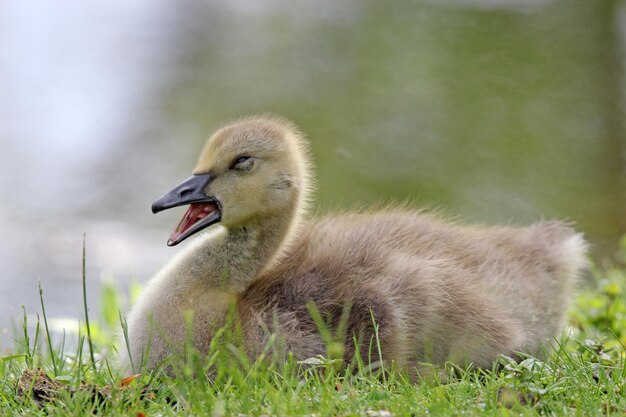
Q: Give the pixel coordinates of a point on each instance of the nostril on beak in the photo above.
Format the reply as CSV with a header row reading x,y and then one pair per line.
x,y
183,192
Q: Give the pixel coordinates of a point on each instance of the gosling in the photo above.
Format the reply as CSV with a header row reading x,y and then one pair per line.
x,y
427,289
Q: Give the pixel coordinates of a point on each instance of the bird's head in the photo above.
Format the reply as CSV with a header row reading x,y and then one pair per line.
x,y
248,170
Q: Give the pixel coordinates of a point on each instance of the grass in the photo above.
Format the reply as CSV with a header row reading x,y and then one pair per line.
x,y
584,375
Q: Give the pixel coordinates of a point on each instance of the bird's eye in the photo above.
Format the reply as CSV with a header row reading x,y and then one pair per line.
x,y
241,159
242,163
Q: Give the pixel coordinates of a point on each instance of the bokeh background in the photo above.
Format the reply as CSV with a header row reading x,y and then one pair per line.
x,y
503,111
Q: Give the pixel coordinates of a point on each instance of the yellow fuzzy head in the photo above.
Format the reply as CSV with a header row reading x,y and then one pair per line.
x,y
258,167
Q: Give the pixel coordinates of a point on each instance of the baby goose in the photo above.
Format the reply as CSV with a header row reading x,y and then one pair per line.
x,y
438,291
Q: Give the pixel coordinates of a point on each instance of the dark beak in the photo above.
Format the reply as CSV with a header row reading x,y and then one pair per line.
x,y
203,210
187,192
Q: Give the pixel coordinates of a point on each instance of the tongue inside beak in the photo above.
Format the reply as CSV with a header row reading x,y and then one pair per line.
x,y
194,214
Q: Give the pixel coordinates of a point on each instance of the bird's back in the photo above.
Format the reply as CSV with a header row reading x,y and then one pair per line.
x,y
438,290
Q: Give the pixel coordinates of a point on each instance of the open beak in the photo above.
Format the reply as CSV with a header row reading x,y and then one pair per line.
x,y
203,210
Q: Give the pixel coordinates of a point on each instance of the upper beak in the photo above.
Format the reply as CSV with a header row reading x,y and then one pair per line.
x,y
187,192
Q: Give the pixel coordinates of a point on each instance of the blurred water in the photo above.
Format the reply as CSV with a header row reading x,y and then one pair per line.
x,y
76,81
496,110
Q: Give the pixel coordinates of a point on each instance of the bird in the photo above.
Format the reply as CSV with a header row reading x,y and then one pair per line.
x,y
425,288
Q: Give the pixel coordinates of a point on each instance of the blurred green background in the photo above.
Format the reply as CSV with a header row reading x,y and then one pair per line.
x,y
498,111
497,114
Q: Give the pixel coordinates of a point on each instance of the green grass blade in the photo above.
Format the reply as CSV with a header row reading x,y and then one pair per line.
x,y
45,322
89,341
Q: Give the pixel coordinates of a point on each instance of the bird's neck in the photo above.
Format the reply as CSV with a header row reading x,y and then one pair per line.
x,y
228,261
250,249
